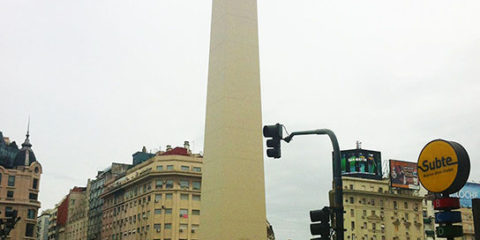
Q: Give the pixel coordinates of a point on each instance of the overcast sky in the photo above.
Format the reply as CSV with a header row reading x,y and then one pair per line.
x,y
101,79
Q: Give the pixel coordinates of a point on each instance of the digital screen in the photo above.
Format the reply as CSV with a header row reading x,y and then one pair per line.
x,y
361,163
404,174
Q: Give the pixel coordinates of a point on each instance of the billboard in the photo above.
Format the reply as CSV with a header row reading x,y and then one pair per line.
x,y
361,163
467,193
404,174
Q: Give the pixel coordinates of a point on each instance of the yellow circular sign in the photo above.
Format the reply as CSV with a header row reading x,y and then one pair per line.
x,y
441,165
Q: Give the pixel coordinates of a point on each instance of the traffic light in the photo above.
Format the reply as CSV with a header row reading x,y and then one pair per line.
x,y
273,145
320,223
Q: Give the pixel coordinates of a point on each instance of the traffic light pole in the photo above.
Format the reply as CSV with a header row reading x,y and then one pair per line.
x,y
337,176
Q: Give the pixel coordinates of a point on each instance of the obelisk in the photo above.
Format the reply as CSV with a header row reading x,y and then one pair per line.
x,y
233,184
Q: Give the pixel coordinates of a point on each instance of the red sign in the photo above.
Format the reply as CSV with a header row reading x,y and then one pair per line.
x,y
446,203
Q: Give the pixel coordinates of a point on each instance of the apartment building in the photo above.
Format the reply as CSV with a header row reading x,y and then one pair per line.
x,y
158,199
19,186
375,211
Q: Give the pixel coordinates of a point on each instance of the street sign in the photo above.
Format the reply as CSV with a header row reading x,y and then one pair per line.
x,y
450,231
446,203
443,166
448,217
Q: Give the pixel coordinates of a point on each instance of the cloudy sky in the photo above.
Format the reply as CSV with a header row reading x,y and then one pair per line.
x,y
101,79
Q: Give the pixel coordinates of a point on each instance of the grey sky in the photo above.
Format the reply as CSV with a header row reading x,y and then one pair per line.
x,y
101,79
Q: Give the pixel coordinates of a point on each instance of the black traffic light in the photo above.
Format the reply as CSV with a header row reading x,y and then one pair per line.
x,y
273,145
321,228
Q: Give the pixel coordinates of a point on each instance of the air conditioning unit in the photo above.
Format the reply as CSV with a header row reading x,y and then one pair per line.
x,y
158,230
181,230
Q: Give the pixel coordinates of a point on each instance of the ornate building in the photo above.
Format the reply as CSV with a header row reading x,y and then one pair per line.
x,y
19,185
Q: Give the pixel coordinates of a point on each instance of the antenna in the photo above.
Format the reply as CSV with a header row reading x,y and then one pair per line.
x,y
28,127
359,145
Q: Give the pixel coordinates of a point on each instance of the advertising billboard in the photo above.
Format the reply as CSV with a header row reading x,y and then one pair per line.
x,y
361,163
467,193
404,174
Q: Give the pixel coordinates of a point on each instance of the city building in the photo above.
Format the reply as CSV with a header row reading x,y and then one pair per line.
x,y
52,224
77,217
95,202
19,186
42,224
376,211
428,214
158,198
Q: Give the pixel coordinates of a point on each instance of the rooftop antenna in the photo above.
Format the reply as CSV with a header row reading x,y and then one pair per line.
x,y
28,127
359,145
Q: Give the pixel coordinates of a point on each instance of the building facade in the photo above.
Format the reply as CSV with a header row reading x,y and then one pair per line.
x,y
19,186
157,199
375,211
95,202
42,224
77,217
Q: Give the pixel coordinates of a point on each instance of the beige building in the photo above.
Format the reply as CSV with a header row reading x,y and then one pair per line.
x,y
77,218
19,186
374,211
156,199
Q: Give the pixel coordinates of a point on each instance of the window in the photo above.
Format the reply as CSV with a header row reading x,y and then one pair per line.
x,y
170,167
31,214
29,230
169,184
196,197
157,211
158,183
11,181
33,196
0,178
352,200
183,226
157,227
351,186
195,212
159,168
168,196
352,212
197,169
196,185
184,184
158,197
185,168
168,226
9,194
405,205
353,225
184,213
364,213
395,205
373,213
373,202
168,211
184,196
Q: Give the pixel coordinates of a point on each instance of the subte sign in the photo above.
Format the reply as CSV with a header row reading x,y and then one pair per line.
x,y
443,166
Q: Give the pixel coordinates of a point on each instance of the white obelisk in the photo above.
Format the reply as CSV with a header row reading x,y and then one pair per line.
x,y
233,184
